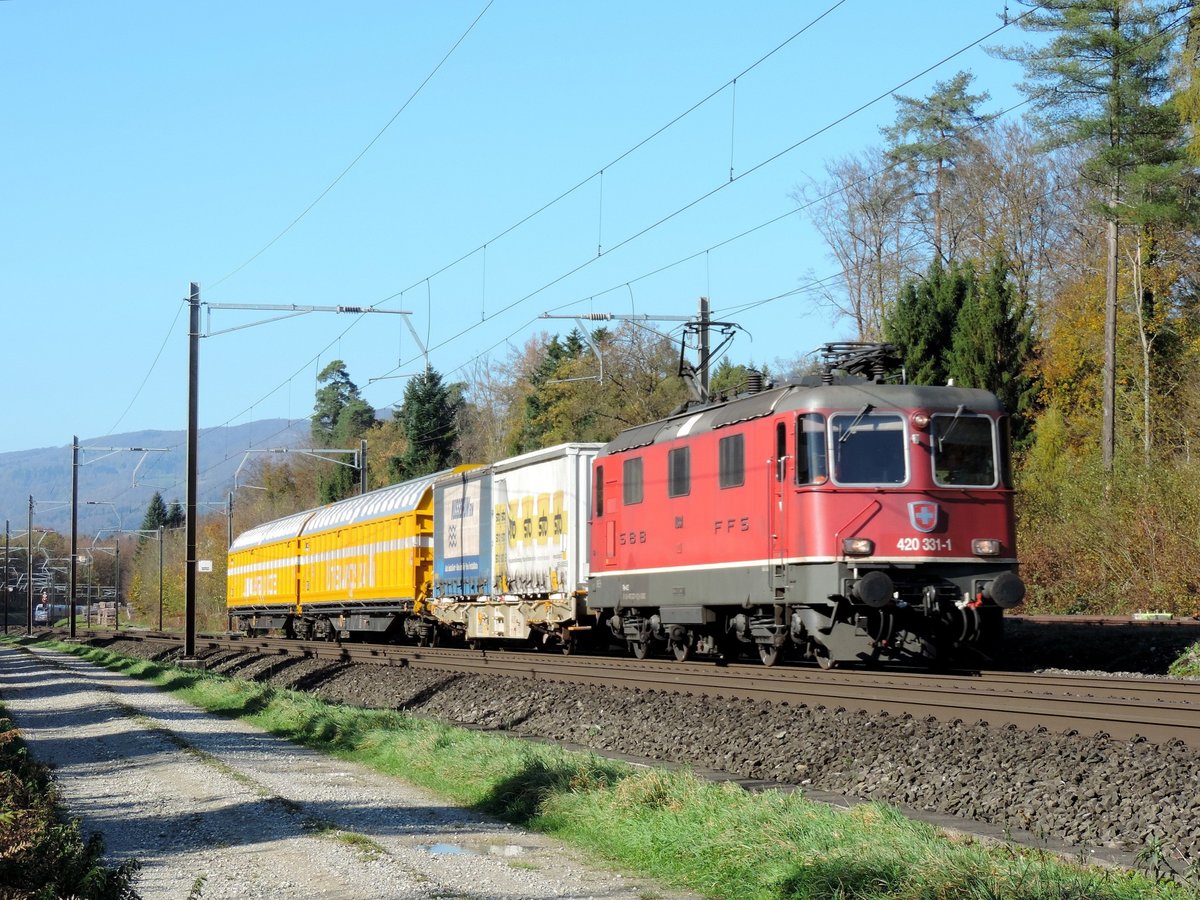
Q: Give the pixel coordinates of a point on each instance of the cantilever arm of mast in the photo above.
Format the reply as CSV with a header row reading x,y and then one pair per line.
x,y
289,310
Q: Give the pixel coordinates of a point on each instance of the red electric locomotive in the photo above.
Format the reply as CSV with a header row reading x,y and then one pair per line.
x,y
844,517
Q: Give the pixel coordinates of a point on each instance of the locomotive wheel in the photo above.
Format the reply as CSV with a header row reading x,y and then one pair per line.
x,y
769,654
682,650
639,649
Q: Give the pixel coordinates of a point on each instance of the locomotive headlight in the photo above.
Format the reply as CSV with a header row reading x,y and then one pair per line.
x,y
985,547
920,421
858,546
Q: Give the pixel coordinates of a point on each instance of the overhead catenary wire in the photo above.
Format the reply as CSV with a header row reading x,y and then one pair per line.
x,y
765,224
721,187
662,220
321,196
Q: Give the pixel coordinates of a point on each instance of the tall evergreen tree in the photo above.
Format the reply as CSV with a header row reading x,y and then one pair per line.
x,y
536,420
1092,86
993,345
156,513
930,136
175,516
340,418
427,416
921,322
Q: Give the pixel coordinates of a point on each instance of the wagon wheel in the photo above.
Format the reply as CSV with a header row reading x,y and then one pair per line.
x,y
682,650
769,654
824,660
639,649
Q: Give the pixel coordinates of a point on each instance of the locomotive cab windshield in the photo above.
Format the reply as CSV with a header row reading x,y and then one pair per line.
x,y
964,450
868,448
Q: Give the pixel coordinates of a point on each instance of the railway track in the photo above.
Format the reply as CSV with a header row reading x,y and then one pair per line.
x,y
1159,710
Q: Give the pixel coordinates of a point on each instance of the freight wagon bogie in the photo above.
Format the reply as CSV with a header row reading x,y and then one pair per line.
x,y
555,621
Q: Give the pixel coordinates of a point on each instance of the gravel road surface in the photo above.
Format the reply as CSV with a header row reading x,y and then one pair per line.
x,y
215,808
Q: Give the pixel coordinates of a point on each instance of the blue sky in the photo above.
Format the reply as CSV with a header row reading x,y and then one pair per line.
x,y
151,144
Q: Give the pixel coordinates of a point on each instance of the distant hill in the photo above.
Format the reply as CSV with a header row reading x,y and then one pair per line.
x,y
120,484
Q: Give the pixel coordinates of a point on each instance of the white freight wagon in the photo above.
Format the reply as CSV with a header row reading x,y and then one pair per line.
x,y
511,547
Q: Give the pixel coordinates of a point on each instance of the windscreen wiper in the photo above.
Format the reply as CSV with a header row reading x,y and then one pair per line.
x,y
957,415
862,412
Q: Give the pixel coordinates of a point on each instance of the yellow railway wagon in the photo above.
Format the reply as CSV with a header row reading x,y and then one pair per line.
x,y
262,581
360,566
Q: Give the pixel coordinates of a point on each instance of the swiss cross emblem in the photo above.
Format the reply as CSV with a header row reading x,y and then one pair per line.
x,y
923,515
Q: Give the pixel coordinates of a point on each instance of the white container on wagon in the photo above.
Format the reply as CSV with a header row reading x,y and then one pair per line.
x,y
511,548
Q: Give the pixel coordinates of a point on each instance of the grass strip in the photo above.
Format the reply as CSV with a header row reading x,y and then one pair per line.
x,y
714,839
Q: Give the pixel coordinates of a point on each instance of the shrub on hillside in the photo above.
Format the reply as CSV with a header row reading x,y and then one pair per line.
x,y
1109,546
41,855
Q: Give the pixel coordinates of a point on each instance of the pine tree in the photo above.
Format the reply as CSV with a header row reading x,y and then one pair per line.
x,y
156,513
993,345
537,420
1091,86
340,418
176,518
921,323
427,417
930,136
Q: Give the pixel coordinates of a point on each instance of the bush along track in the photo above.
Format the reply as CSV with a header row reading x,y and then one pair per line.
x,y
712,838
1188,665
43,854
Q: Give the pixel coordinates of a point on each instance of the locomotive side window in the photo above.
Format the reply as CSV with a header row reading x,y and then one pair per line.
x,y
963,450
631,474
811,461
679,472
868,448
731,452
599,490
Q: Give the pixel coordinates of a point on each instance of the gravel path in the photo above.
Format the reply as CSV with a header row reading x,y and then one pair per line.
x,y
215,808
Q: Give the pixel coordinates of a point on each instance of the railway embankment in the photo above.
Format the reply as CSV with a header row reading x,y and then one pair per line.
x,y
770,845
1091,796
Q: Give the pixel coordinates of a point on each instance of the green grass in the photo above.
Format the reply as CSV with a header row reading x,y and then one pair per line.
x,y
714,839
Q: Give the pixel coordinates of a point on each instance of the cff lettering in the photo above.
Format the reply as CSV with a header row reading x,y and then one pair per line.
x,y
728,526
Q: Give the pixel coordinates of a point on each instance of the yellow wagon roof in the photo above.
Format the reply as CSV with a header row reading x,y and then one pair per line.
x,y
289,527
389,501
395,499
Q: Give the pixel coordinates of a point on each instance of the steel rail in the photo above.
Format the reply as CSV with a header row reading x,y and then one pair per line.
x,y
1159,710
